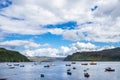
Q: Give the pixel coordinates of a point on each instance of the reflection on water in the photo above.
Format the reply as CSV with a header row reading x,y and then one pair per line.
x,y
58,71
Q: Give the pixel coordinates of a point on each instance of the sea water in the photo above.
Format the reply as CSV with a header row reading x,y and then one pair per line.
x,y
58,71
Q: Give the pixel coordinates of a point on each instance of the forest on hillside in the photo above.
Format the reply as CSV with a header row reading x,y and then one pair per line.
x,y
104,55
11,56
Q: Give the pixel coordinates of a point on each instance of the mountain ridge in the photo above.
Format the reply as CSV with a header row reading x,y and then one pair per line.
x,y
103,55
11,56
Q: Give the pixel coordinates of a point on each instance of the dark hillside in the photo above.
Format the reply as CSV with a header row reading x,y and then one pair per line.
x,y
11,56
104,55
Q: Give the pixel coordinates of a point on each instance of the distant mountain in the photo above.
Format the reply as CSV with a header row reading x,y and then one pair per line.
x,y
45,59
104,55
11,56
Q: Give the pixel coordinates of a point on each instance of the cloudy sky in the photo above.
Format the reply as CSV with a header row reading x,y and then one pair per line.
x,y
59,27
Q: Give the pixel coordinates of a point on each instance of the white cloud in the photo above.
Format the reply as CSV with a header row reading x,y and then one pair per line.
x,y
51,52
94,32
74,35
106,47
31,48
25,44
80,47
62,51
38,13
13,43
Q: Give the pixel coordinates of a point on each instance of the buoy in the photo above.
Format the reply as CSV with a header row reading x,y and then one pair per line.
x,y
74,68
42,75
68,70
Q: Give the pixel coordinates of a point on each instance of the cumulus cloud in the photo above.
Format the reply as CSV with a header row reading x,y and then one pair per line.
x,y
63,50
30,16
51,52
35,13
97,21
13,43
26,44
31,48
81,47
78,47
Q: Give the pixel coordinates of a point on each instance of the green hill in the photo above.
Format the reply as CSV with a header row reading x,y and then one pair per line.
x,y
104,55
11,56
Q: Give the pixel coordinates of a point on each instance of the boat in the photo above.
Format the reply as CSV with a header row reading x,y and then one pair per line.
x,y
109,69
9,64
3,79
68,64
85,70
22,66
93,63
11,67
84,63
74,67
69,73
16,64
73,63
47,66
86,75
68,70
42,75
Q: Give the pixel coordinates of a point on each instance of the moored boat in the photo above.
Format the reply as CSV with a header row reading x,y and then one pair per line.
x,y
86,75
68,64
93,63
11,67
84,63
109,69
73,63
3,79
22,66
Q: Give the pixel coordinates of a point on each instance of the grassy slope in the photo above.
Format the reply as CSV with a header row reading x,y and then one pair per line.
x,y
105,55
11,56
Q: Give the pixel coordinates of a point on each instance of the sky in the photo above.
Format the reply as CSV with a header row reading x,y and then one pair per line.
x,y
57,28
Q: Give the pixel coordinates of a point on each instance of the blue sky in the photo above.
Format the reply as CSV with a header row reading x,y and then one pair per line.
x,y
60,27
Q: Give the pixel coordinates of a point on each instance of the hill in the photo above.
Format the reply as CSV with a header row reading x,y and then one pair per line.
x,y
11,56
45,59
104,55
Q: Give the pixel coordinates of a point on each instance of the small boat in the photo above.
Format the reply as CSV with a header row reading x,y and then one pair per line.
x,y
69,73
86,75
41,75
11,67
3,79
68,64
74,67
73,63
16,64
85,70
84,63
22,66
68,70
9,64
93,63
109,69
47,66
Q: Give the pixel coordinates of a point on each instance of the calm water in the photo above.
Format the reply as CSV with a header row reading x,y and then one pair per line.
x,y
58,71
